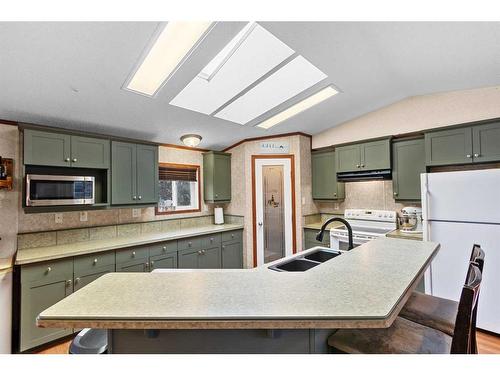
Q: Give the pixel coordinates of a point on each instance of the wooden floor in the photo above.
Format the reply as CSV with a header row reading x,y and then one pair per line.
x,y
487,344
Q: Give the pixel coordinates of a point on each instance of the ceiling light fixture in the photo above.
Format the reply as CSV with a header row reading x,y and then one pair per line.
x,y
172,47
295,109
225,54
191,140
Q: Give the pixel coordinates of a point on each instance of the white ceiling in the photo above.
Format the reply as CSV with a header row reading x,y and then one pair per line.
x,y
70,74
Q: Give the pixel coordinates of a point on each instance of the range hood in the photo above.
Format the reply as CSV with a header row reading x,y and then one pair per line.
x,y
383,174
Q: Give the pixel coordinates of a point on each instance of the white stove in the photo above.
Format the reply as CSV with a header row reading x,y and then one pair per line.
x,y
366,225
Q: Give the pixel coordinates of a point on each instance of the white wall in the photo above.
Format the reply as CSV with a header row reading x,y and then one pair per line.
x,y
416,114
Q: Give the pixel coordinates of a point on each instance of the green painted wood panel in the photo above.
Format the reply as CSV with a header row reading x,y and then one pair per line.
x,y
133,266
376,155
448,147
90,152
348,158
210,258
324,176
233,236
486,142
408,162
188,258
163,261
310,239
132,254
232,255
192,243
88,264
217,176
83,280
147,174
123,173
163,248
211,240
46,148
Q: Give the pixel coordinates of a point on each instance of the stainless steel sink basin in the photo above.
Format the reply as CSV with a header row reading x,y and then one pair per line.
x,y
294,265
322,255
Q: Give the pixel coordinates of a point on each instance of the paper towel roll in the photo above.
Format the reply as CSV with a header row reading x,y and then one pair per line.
x,y
219,215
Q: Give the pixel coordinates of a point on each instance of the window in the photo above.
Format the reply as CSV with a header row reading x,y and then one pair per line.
x,y
179,188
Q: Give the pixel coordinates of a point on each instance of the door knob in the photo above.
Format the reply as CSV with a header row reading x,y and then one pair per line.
x,y
260,223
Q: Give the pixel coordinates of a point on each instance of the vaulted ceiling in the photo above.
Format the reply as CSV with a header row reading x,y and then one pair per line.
x,y
70,74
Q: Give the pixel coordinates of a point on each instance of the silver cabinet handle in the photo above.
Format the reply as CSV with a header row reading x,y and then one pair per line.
x,y
211,239
358,165
189,244
75,160
203,252
48,269
362,165
476,155
152,263
77,280
395,193
468,155
232,235
223,246
67,160
134,197
164,248
140,197
334,194
133,254
95,261
199,252
69,282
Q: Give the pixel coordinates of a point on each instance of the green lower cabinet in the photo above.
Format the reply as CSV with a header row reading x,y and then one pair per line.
x,y
163,261
133,266
42,285
408,162
202,258
310,239
188,258
232,255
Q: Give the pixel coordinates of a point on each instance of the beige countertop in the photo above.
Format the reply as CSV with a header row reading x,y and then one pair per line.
x,y
39,254
365,287
405,235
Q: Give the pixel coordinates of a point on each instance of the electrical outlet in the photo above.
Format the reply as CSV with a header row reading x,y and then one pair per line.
x,y
136,212
303,200
59,218
83,216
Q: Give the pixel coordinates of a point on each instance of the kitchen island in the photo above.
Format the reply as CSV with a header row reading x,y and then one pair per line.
x,y
248,311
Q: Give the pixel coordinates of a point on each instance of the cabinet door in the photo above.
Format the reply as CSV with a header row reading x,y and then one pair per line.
x,y
83,280
310,239
448,147
232,255
123,173
38,295
408,164
486,140
163,261
188,258
222,177
147,174
45,148
140,266
348,158
210,258
324,177
90,152
376,155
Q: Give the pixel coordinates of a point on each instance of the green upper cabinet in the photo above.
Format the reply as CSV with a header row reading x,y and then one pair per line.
x,y
364,156
324,176
63,150
486,142
90,152
470,144
408,162
134,173
45,148
446,147
217,176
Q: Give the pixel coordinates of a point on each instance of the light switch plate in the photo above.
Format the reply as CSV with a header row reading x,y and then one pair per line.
x,y
59,218
83,216
136,212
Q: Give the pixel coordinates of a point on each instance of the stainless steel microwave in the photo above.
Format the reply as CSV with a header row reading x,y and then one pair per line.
x,y
52,190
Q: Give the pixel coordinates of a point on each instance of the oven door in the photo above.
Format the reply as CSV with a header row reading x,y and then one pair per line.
x,y
340,242
48,190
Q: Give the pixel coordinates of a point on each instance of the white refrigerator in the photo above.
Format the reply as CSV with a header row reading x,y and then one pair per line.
x,y
461,209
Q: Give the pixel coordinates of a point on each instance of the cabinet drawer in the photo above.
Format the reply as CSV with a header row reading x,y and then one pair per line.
x,y
211,240
189,243
131,254
235,235
163,248
87,264
47,271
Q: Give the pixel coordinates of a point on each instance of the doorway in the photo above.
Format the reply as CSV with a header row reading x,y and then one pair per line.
x,y
273,207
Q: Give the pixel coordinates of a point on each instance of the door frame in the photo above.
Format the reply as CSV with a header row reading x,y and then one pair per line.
x,y
291,157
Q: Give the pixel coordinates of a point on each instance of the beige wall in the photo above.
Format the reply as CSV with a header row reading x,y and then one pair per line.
x,y
416,114
9,199
241,186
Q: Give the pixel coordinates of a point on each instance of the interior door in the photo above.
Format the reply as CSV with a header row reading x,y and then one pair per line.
x,y
274,228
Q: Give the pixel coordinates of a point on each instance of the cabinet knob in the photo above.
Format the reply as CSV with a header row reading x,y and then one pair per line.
x,y
203,251
77,280
468,155
67,160
334,194
476,155
216,195
133,254
134,197
164,248
358,165
232,235
140,197
75,160
190,243
199,252
95,261
69,282
362,165
48,269
211,239
223,246
152,263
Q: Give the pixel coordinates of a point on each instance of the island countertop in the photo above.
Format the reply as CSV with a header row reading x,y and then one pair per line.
x,y
365,287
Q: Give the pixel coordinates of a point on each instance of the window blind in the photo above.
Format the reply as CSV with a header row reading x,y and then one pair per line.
x,y
173,173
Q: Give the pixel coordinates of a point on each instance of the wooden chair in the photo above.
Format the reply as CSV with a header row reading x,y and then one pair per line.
x,y
407,337
435,312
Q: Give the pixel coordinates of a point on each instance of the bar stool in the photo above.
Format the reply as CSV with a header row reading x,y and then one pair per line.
x,y
407,337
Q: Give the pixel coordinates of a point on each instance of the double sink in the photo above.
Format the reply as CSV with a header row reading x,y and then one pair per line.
x,y
306,262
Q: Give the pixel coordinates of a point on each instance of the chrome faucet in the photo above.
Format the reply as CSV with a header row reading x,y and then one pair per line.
x,y
319,236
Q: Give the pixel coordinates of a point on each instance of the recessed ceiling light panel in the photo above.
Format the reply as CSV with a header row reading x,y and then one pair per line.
x,y
173,45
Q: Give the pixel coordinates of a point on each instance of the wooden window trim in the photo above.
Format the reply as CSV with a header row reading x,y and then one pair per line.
x,y
198,177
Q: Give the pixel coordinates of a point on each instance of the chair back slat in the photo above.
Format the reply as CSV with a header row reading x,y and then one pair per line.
x,y
477,257
465,329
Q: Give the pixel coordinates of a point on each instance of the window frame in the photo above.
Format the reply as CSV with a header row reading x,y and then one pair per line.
x,y
198,179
